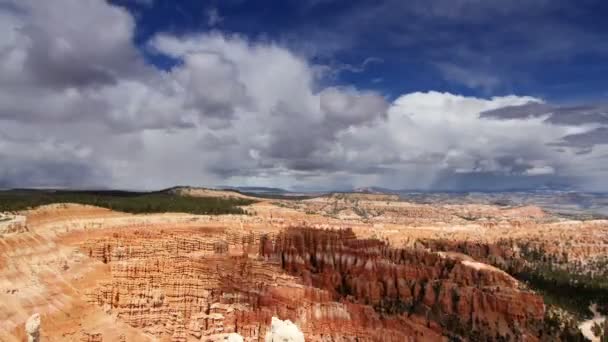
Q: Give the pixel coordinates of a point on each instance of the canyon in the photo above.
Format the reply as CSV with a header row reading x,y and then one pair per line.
x,y
342,267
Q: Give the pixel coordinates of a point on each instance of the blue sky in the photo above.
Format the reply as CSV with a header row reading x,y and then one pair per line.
x,y
307,94
557,50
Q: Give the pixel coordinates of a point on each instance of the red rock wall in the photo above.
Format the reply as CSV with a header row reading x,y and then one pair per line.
x,y
447,292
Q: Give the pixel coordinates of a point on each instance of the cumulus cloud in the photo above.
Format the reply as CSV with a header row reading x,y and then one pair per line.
x,y
444,135
80,106
289,124
45,48
91,87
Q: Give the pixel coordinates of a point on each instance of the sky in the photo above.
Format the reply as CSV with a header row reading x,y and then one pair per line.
x,y
440,95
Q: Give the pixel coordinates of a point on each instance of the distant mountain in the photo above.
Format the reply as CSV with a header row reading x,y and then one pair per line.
x,y
547,188
373,190
255,189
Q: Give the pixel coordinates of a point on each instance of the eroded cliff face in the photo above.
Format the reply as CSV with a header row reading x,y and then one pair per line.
x,y
205,286
570,269
459,297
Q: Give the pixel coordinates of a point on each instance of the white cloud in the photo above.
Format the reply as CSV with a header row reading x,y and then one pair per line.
x,y
540,170
82,107
430,136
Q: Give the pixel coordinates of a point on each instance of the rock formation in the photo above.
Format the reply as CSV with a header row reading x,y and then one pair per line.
x,y
32,328
181,286
10,223
400,272
188,286
234,337
464,298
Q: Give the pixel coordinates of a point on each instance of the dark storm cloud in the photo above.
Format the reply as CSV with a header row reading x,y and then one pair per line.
x,y
294,144
512,165
529,110
598,136
213,140
496,181
347,107
580,115
60,53
68,70
212,86
559,115
49,173
297,137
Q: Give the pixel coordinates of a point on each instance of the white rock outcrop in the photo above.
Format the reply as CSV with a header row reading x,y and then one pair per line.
x,y
283,331
234,337
10,223
32,328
